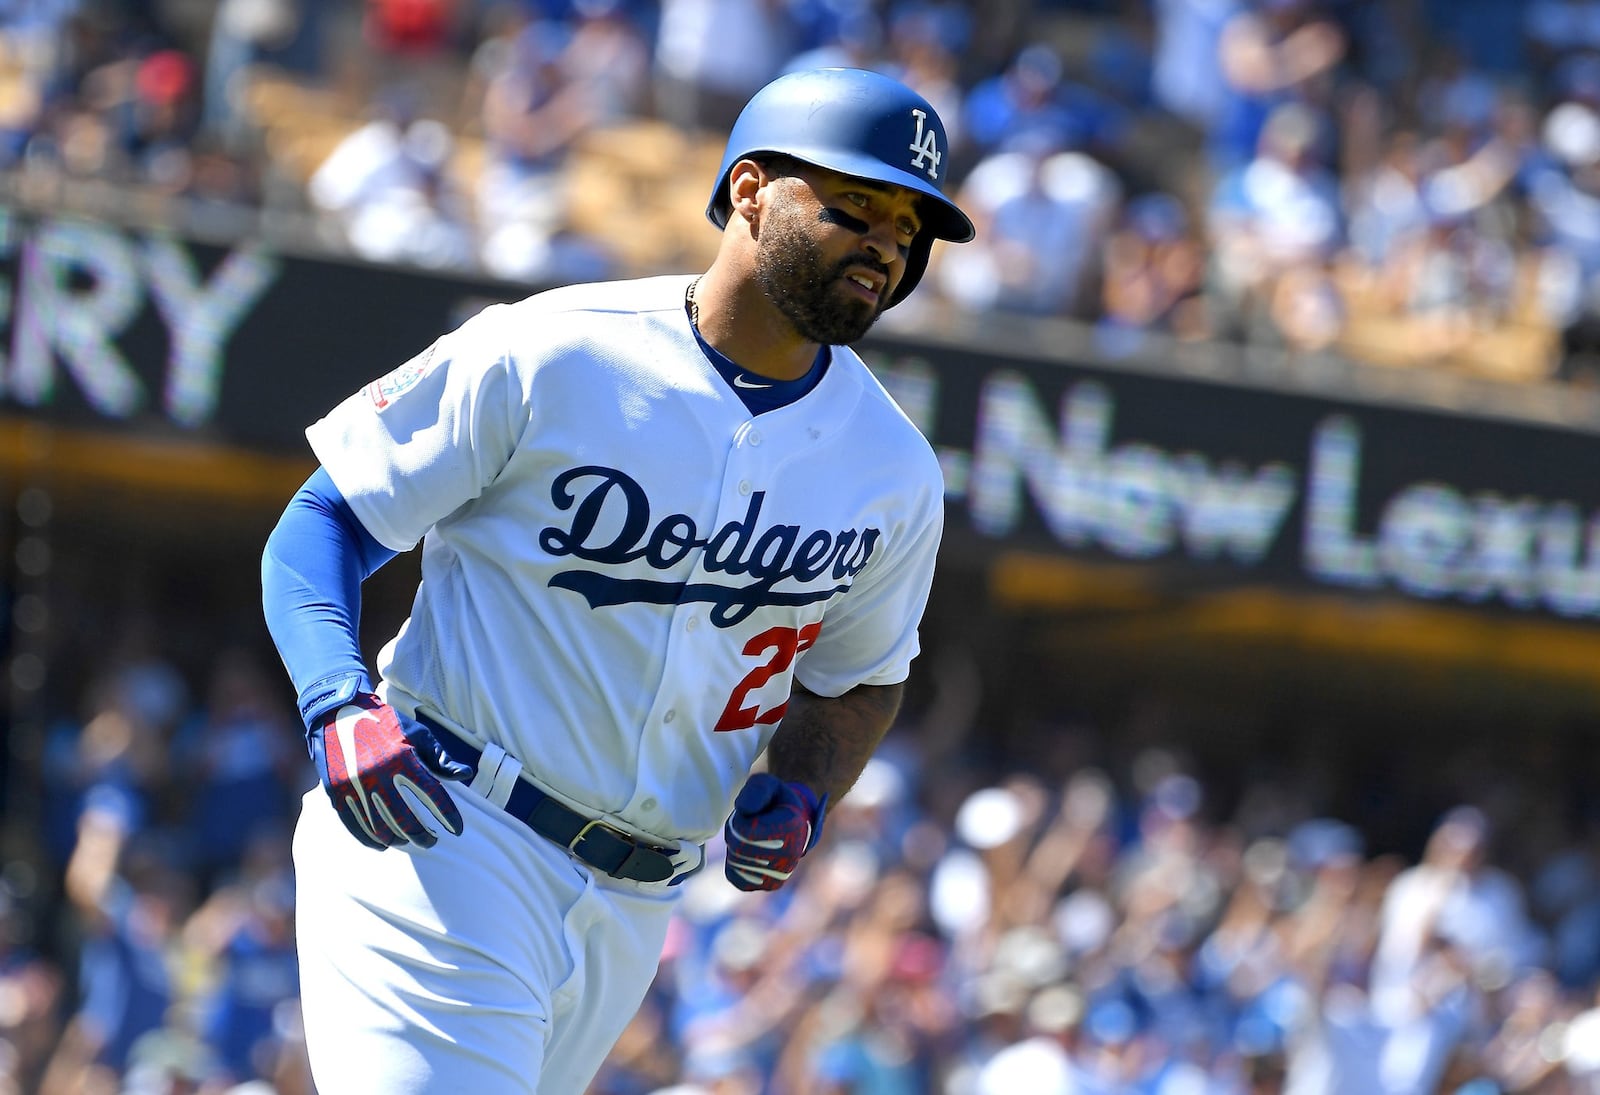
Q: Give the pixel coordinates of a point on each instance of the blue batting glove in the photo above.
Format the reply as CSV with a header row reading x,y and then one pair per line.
x,y
774,822
370,757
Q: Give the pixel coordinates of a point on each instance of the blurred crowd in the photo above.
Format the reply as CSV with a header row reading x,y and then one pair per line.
x,y
1089,918
1408,182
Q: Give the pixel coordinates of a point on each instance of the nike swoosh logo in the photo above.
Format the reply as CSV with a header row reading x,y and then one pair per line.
x,y
769,845
740,382
344,725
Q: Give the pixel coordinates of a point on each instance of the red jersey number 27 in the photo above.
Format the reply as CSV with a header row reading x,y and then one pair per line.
x,y
778,645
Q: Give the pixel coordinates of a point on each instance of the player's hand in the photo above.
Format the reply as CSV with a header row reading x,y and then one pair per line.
x,y
774,822
375,764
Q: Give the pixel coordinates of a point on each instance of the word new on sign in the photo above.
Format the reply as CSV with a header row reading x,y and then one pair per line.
x,y
1315,507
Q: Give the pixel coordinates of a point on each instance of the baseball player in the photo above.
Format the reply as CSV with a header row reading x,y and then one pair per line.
x,y
667,526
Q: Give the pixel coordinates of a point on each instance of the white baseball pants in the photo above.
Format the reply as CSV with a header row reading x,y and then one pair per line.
x,y
491,964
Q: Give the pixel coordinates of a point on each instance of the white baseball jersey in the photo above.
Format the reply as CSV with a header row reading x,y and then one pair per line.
x,y
623,570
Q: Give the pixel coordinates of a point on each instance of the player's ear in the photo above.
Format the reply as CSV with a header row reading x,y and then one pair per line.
x,y
745,181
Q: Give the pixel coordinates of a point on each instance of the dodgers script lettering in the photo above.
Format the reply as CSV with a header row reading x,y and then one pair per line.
x,y
605,498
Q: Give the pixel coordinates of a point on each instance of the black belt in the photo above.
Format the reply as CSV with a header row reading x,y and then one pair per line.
x,y
601,845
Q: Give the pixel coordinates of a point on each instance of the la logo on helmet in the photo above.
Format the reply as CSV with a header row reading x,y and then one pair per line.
x,y
926,145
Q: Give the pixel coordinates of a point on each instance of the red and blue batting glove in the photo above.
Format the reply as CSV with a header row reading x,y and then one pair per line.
x,y
774,822
370,757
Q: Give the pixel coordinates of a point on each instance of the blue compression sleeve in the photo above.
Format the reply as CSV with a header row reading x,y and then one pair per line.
x,y
311,575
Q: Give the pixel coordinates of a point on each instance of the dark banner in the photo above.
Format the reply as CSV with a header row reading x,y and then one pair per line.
x,y
148,331
1225,482
1238,484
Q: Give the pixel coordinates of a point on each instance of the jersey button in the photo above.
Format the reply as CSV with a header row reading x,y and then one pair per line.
x,y
744,486
669,716
755,437
694,622
648,804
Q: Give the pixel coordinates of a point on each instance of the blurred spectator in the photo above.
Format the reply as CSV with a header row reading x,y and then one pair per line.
x,y
1518,1055
1455,899
1556,30
637,1064
244,935
366,159
389,187
150,98
1580,1048
1386,206
1049,1060
1274,225
1187,77
242,762
1566,202
24,84
1272,52
411,45
1043,214
1348,1045
1153,275
422,218
130,897
1333,927
32,993
965,884
501,25
1566,895
531,117
222,188
855,40
1456,283
286,34
711,55
116,759
1025,103
606,62
410,28
1453,95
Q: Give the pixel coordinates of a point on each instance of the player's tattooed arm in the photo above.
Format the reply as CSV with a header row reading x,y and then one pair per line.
x,y
825,742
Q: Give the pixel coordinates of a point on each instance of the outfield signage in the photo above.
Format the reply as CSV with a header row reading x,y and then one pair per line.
x,y
1251,484
133,331
141,329
77,295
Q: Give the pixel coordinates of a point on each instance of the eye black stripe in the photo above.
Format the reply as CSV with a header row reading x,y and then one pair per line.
x,y
830,215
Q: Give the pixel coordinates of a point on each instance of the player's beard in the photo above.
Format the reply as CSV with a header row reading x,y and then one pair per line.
x,y
809,292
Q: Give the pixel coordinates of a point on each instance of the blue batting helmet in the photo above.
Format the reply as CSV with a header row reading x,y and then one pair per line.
x,y
857,123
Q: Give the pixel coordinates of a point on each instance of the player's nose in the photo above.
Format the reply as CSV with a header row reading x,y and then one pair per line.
x,y
882,241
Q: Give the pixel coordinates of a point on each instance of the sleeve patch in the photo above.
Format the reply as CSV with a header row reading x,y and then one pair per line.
x,y
386,389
